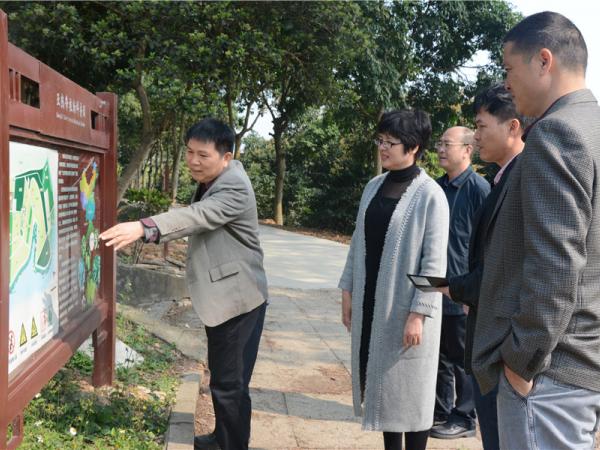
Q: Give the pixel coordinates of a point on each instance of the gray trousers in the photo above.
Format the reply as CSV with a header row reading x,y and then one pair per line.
x,y
553,416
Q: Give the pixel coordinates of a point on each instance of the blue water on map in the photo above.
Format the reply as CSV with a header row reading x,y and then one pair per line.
x,y
30,283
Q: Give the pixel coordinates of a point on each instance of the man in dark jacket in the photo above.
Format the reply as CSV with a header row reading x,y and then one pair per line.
x,y
498,138
537,335
465,191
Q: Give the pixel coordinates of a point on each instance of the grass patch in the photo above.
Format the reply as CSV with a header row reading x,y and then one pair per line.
x,y
132,414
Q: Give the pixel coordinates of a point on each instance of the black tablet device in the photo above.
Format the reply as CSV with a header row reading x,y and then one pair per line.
x,y
427,283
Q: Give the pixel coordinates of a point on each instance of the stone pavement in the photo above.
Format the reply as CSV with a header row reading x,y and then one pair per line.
x,y
301,384
298,261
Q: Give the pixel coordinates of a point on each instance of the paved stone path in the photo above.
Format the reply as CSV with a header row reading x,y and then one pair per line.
x,y
301,384
298,261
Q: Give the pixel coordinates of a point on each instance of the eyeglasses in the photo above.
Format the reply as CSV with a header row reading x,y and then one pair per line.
x,y
445,144
386,145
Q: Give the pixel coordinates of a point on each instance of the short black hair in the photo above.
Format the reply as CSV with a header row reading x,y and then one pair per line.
x,y
212,130
412,127
552,31
498,101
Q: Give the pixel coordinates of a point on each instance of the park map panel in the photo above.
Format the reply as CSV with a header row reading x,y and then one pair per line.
x,y
54,257
33,285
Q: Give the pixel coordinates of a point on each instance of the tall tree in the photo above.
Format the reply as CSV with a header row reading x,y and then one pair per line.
x,y
238,48
378,78
447,35
415,57
172,62
140,47
307,42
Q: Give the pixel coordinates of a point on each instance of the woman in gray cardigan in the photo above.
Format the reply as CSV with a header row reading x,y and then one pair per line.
x,y
401,228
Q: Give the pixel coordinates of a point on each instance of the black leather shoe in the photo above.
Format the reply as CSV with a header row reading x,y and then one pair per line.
x,y
206,442
451,431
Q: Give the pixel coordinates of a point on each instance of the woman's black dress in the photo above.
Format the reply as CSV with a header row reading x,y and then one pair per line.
x,y
377,220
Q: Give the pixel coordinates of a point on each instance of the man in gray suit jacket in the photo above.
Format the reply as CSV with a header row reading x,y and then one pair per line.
x,y
538,327
225,272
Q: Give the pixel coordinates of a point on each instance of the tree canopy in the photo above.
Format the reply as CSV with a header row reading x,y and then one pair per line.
x,y
323,71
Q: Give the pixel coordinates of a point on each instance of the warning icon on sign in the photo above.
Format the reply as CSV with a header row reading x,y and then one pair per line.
x,y
23,339
34,331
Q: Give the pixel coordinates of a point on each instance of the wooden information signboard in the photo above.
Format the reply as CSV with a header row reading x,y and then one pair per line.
x,y
57,192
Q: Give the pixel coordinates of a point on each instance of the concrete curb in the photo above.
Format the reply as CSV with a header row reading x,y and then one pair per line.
x,y
146,283
180,434
192,343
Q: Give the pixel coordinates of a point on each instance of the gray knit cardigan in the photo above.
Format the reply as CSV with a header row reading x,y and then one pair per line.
x,y
400,383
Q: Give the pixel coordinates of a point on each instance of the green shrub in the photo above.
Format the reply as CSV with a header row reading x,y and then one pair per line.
x,y
141,203
131,415
156,201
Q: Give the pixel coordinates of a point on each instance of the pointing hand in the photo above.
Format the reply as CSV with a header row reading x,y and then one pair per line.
x,y
123,234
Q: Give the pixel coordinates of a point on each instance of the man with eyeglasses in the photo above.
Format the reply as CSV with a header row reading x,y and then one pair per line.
x,y
465,191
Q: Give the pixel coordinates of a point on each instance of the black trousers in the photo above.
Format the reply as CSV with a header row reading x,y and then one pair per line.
x,y
232,350
451,374
487,415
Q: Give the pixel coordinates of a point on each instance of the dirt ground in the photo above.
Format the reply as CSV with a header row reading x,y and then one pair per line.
x,y
325,380
171,254
205,417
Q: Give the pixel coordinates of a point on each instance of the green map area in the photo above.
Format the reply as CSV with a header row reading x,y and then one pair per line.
x,y
31,222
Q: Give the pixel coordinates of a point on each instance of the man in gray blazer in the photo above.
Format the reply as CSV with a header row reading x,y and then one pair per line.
x,y
225,272
538,328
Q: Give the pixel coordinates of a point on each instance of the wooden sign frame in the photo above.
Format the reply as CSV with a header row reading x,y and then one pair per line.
x,y
40,108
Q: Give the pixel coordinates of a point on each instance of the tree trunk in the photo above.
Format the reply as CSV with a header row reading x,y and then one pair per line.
x,y
245,129
377,169
232,118
176,166
279,176
166,181
149,165
140,155
238,145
